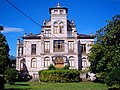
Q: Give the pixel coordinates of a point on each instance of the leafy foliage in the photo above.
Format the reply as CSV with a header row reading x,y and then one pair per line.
x,y
66,67
4,60
1,27
113,77
59,75
51,67
11,75
105,54
4,50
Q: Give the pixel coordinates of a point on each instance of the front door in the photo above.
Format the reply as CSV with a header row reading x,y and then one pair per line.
x,y
59,62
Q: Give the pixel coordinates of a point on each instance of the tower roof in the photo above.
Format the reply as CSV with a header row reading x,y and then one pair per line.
x,y
58,7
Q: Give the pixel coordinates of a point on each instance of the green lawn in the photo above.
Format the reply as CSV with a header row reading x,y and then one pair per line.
x,y
55,86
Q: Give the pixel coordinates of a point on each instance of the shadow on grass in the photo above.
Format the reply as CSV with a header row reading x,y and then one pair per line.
x,y
22,84
114,88
16,89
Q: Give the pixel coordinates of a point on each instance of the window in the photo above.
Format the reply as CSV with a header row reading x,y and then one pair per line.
x,y
71,46
55,11
61,11
92,42
20,51
46,62
56,27
21,64
33,49
33,63
69,33
83,48
84,62
58,45
71,61
47,46
61,27
47,33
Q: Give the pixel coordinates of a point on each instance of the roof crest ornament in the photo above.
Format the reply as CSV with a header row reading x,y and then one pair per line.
x,y
58,5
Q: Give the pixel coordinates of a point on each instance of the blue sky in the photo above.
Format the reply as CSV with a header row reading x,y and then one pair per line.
x,y
88,15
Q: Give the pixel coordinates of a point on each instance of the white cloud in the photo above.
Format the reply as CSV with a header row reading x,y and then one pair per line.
x,y
12,29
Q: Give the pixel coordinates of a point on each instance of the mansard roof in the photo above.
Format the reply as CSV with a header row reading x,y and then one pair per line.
x,y
32,37
79,36
84,36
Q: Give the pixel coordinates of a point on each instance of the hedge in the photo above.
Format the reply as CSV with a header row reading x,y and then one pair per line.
x,y
59,75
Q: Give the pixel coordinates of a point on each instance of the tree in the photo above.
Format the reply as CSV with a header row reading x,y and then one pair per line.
x,y
4,58
113,77
105,54
1,28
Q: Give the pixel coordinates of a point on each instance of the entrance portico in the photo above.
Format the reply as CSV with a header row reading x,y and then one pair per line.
x,y
60,61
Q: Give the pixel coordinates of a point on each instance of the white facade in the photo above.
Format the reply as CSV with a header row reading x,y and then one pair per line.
x,y
58,44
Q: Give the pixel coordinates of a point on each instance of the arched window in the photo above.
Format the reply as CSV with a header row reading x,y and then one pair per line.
x,y
46,62
61,12
71,61
22,62
84,62
55,11
61,27
21,65
33,63
56,28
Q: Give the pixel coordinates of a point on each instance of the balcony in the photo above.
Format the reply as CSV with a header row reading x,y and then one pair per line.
x,y
70,36
46,36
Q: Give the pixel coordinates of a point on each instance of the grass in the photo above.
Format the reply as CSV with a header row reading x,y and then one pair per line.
x,y
18,86
56,86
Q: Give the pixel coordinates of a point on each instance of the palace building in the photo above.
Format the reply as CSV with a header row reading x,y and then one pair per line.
x,y
58,44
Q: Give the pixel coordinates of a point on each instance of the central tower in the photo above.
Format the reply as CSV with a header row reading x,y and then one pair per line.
x,y
58,16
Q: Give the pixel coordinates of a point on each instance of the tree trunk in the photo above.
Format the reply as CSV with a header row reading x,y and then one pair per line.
x,y
1,83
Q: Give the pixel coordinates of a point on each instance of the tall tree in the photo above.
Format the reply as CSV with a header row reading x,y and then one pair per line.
x,y
1,28
105,54
4,58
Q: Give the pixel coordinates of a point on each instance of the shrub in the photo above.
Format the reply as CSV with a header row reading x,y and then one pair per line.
x,y
11,75
101,77
51,67
66,67
113,78
59,75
